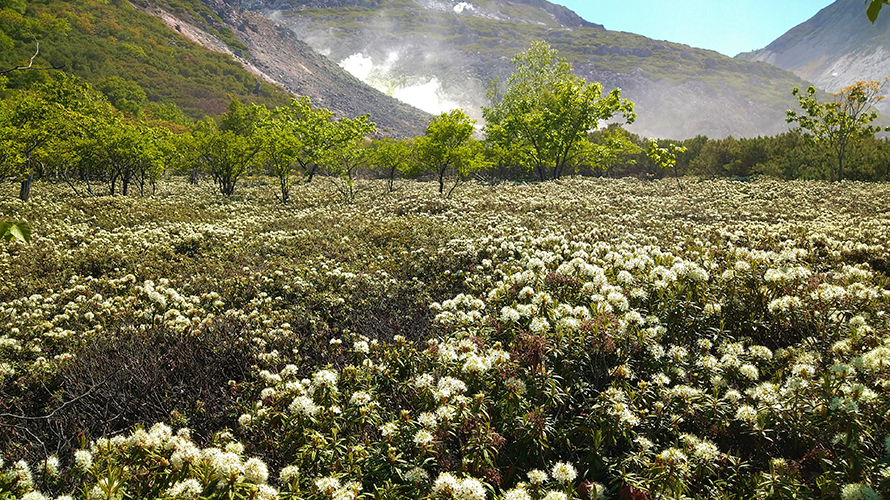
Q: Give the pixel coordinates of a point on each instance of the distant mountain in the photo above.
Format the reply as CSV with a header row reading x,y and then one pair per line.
x,y
387,58
437,54
835,48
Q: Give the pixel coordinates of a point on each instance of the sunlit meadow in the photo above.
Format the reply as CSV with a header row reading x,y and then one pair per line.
x,y
582,338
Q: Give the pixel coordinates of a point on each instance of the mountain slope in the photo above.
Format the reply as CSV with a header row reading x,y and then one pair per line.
x,y
107,39
833,49
198,57
280,57
438,54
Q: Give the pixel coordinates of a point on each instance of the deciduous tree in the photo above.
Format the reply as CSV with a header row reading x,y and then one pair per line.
x,y
228,151
447,146
840,123
34,120
394,156
348,152
547,111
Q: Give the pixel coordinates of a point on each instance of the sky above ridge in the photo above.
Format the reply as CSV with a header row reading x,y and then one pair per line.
x,y
727,27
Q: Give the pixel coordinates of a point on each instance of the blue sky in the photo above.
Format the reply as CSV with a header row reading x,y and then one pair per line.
x,y
727,27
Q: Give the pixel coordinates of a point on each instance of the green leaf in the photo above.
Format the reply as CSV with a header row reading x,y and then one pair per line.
x,y
21,231
874,8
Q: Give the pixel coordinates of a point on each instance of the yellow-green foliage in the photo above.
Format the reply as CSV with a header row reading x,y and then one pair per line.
x,y
114,39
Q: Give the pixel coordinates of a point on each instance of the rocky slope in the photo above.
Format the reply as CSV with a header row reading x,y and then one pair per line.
x,y
835,48
275,54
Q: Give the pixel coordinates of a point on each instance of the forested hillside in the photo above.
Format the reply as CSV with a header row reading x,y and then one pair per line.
x,y
98,40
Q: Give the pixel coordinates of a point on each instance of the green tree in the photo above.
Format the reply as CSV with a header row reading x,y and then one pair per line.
x,y
317,134
838,124
447,146
281,148
35,124
228,151
612,148
348,152
665,157
125,95
547,111
126,152
393,156
20,38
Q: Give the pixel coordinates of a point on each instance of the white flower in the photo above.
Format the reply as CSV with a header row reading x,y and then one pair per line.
x,y
746,413
469,489
417,475
327,484
445,484
187,489
518,493
51,466
423,437
749,371
672,456
446,413
427,420
706,451
510,315
360,398
83,460
859,491
537,477
555,495
289,474
389,429
303,405
424,381
255,471
244,420
539,325
266,492
564,472
325,378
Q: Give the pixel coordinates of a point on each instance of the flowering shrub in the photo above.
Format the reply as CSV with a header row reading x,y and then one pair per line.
x,y
577,339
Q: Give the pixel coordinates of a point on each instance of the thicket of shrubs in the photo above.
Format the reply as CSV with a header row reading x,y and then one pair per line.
x,y
570,339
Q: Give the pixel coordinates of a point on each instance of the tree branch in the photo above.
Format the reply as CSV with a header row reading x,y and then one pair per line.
x,y
31,62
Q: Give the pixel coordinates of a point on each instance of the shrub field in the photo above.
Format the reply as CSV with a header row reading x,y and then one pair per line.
x,y
575,339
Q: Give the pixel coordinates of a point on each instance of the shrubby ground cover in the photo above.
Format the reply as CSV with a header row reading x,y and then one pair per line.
x,y
579,338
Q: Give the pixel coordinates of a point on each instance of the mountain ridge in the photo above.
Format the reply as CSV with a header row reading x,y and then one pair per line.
x,y
833,49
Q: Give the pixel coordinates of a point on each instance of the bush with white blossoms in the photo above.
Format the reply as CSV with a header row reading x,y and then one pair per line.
x,y
580,339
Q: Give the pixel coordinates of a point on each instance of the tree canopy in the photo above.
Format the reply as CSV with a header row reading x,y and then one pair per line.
x,y
840,123
546,111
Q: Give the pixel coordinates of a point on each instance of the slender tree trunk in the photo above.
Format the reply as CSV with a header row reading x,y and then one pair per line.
x,y
840,166
285,189
25,191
